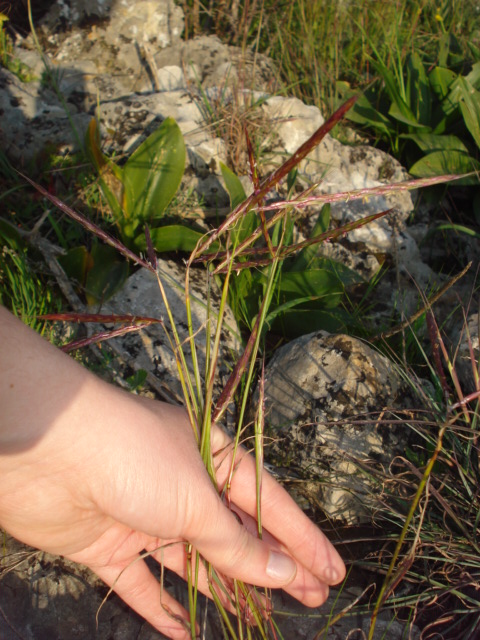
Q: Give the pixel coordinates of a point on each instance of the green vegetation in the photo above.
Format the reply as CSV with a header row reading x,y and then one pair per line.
x,y
308,289
417,63
22,289
7,56
414,65
278,269
431,121
315,44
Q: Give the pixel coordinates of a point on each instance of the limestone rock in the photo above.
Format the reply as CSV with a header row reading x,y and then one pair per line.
x,y
159,21
150,349
320,390
335,167
34,121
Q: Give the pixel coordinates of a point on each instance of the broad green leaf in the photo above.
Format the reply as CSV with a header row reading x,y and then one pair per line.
x,y
297,322
443,49
441,80
474,76
286,306
402,114
449,226
92,145
470,108
364,113
418,90
452,102
248,222
446,162
107,275
319,284
428,142
153,173
173,237
76,263
234,186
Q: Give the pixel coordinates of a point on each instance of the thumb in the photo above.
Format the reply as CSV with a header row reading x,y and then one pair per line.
x,y
236,553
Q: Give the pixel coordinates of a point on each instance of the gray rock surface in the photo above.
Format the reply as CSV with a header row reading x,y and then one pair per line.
x,y
158,21
323,396
150,349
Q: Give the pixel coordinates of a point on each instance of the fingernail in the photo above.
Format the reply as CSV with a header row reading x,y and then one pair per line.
x,y
330,575
281,567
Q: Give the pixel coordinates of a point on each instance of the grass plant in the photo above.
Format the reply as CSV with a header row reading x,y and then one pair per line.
x,y
315,44
224,252
431,500
22,288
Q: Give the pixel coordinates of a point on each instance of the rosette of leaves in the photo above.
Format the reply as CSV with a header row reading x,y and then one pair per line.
x,y
138,194
430,118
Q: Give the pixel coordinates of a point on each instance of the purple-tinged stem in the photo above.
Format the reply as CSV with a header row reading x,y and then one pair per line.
x,y
90,226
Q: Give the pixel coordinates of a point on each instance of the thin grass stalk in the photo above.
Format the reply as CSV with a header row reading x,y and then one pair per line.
x,y
290,249
254,608
192,589
90,226
259,430
260,323
182,367
205,449
102,336
193,347
256,187
207,327
237,373
237,600
220,608
333,619
421,487
322,199
437,343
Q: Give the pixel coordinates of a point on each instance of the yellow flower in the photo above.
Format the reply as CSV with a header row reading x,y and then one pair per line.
x,y
438,17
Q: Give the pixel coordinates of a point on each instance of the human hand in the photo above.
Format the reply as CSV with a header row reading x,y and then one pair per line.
x,y
98,475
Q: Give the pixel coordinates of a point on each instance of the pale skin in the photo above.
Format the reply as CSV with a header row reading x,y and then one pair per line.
x,y
98,475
